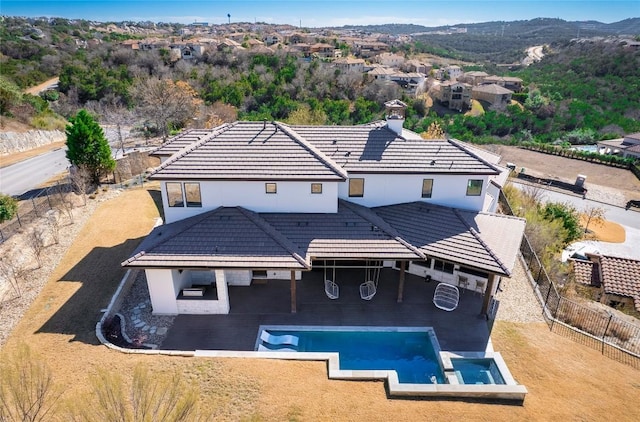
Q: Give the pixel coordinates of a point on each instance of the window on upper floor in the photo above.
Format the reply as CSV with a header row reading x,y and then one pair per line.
x,y
445,267
192,194
174,194
474,187
271,188
356,188
427,188
316,188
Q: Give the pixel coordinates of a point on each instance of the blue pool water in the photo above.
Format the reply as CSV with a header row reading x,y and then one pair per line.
x,y
477,371
410,353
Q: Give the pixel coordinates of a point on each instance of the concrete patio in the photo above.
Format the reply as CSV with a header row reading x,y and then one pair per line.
x,y
463,329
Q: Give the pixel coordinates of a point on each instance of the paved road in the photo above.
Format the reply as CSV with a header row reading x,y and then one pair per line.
x,y
618,215
21,177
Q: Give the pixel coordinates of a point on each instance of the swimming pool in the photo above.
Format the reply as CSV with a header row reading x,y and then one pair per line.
x,y
477,371
411,352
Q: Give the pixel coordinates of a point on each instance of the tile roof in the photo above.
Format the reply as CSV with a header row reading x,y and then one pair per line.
x,y
228,237
621,276
586,272
374,148
492,89
486,241
342,235
234,237
275,151
179,142
250,151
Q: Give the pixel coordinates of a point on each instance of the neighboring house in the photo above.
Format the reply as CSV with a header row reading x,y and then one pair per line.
x,y
380,72
348,64
417,66
473,78
253,200
366,49
273,38
451,73
629,146
617,278
389,60
509,82
323,50
494,95
408,81
455,95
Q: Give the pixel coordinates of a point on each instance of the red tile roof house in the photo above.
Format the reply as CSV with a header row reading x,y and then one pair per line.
x,y
618,279
250,200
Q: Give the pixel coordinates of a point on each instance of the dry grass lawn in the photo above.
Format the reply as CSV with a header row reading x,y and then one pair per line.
x,y
607,231
566,380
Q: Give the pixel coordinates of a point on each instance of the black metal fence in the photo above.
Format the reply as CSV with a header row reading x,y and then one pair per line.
x,y
613,336
35,204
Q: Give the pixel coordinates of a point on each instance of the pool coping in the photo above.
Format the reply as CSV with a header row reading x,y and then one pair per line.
x,y
511,390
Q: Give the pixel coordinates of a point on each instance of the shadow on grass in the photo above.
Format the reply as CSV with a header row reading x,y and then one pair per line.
x,y
99,274
156,196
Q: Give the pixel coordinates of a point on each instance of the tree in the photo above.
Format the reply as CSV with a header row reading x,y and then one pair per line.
x,y
87,147
27,391
151,398
8,207
593,214
568,216
166,103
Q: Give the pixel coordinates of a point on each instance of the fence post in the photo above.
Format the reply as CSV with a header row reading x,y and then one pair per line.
x,y
18,217
553,315
35,208
49,199
547,299
605,331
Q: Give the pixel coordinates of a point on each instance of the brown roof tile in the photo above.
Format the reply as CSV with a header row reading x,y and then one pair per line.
x,y
621,276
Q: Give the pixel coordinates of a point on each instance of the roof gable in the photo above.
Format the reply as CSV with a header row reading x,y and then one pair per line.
x,y
250,151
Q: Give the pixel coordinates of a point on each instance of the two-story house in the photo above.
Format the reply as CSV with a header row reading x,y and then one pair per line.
x,y
253,200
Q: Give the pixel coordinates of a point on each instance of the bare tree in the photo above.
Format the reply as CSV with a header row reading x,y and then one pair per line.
x,y
13,272
27,390
36,243
53,222
151,398
594,215
166,103
80,178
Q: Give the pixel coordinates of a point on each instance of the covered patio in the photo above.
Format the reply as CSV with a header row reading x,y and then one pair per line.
x,y
269,303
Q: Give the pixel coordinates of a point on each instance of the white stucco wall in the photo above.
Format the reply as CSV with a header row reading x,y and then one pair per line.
x,y
290,197
384,189
164,286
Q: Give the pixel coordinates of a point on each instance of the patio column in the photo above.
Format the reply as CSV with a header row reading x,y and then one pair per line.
x,y
401,281
293,292
487,295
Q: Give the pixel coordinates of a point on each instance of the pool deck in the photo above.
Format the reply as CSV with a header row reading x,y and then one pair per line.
x,y
463,329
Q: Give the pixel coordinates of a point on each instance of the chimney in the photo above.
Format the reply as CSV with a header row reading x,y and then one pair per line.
x,y
395,111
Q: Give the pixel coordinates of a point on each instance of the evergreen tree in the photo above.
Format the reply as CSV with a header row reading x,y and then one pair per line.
x,y
87,146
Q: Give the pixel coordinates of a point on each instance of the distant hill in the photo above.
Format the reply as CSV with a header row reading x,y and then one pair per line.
x,y
535,27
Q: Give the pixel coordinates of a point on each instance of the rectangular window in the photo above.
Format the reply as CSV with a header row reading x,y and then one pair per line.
x,y
356,188
316,188
271,188
445,267
192,194
474,187
427,188
174,194
424,264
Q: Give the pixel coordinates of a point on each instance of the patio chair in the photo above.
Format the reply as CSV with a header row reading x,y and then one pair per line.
x,y
263,348
331,289
446,297
278,340
463,283
480,286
